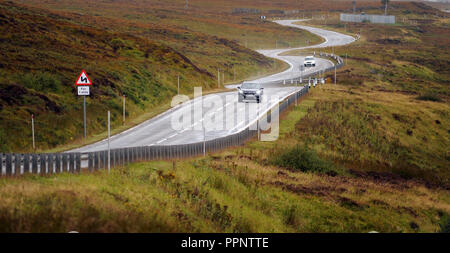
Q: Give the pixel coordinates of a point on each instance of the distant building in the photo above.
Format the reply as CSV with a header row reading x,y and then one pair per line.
x,y
359,18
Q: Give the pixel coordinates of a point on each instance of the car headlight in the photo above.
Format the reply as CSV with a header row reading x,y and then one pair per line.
x,y
241,92
258,92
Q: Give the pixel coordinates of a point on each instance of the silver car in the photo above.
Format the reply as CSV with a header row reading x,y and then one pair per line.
x,y
250,91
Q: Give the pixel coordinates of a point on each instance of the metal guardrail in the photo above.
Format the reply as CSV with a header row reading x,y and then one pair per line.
x,y
45,164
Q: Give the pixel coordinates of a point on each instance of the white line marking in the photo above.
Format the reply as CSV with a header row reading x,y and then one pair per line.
x,y
162,141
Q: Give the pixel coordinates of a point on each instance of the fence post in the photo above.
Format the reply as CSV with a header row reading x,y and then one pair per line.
x,y
96,160
64,162
17,163
42,163
57,163
105,159
1,164
90,162
101,161
113,157
78,162
8,163
34,164
130,155
122,157
26,163
51,163
71,162
151,153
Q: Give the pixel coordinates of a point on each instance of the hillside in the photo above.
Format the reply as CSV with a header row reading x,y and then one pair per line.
x,y
367,154
42,53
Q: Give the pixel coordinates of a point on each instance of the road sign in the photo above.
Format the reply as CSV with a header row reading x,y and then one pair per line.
x,y
83,91
83,79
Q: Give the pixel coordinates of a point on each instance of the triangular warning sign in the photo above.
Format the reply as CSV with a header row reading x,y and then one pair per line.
x,y
83,79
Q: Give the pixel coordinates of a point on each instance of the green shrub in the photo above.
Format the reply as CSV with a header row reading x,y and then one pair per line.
x,y
445,223
41,81
300,158
429,96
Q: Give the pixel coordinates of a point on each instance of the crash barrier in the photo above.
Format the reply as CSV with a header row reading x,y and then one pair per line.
x,y
18,164
359,18
44,164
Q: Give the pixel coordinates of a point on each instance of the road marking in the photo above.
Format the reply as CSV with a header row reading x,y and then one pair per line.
x,y
173,135
161,141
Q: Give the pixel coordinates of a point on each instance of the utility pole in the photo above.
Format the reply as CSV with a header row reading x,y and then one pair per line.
x,y
385,6
109,142
257,125
296,85
218,78
32,131
335,74
123,121
84,115
204,136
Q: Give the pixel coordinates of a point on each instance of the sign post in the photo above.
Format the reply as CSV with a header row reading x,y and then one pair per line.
x,y
84,115
83,84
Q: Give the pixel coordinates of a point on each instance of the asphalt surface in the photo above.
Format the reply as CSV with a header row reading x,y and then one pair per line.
x,y
220,114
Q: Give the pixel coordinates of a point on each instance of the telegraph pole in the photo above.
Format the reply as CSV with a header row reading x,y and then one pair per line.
x,y
109,141
123,107
335,74
32,131
204,137
218,78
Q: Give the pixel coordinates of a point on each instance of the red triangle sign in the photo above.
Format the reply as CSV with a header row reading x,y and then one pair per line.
x,y
83,79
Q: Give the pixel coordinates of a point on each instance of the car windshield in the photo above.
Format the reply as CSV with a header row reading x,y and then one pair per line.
x,y
309,58
250,86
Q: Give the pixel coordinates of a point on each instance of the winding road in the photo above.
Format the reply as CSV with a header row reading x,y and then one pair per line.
x,y
220,113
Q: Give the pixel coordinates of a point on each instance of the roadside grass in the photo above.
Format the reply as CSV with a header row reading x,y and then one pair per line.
x,y
229,191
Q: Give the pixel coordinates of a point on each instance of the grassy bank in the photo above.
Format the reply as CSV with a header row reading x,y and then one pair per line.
x,y
389,112
232,191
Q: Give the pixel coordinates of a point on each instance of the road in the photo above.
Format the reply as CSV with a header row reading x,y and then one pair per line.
x,y
221,114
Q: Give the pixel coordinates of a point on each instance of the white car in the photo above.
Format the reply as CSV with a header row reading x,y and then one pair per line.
x,y
310,61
